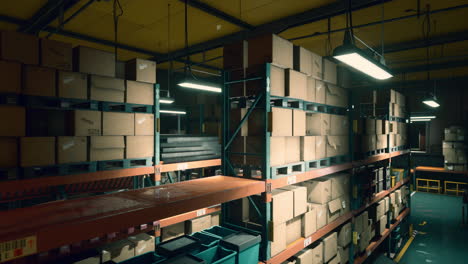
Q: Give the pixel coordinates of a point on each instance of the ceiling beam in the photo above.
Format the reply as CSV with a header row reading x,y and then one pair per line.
x,y
218,13
432,67
434,41
316,14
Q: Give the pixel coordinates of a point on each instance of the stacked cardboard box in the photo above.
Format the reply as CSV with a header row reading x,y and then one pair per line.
x,y
454,149
190,226
127,248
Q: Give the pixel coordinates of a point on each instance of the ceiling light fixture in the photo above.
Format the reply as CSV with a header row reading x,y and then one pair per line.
x,y
176,112
199,86
420,120
422,117
432,102
166,100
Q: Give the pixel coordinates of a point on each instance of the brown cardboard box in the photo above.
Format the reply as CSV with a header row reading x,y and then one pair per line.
x,y
299,122
280,122
139,147
330,246
282,210
93,61
118,251
378,127
236,116
371,127
369,143
334,210
320,147
278,243
309,222
215,219
385,127
235,55
172,231
321,213
382,224
299,197
296,84
392,140
103,88
304,256
56,54
337,146
382,141
329,71
400,99
13,121
384,97
318,191
20,47
317,124
345,204
310,89
8,152
140,93
277,150
343,253
358,224
84,123
317,252
335,260
270,48
308,148
340,183
336,96
10,74
142,243
72,149
255,87
320,92
344,235
106,148
38,81
144,124
317,66
293,230
118,124
37,151
198,224
141,70
339,125
72,85
302,60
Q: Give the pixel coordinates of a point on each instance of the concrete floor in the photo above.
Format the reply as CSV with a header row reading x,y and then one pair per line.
x,y
445,239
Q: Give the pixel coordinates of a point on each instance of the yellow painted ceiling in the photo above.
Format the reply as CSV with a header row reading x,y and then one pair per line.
x,y
144,24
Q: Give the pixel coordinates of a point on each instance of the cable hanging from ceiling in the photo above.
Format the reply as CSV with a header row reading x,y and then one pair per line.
x,y
117,12
426,30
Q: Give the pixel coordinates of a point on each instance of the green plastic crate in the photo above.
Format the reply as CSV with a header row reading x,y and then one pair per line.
x,y
219,231
206,239
246,245
218,255
147,258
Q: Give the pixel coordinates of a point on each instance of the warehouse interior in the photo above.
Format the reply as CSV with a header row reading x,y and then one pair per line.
x,y
233,132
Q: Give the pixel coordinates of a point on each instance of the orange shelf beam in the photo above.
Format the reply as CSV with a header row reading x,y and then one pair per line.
x,y
439,169
189,165
187,216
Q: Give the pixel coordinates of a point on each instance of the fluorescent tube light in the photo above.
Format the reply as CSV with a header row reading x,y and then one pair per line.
x,y
173,112
422,117
420,120
364,65
432,103
166,100
204,87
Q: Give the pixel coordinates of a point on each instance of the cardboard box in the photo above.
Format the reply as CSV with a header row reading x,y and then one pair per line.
x,y
141,70
299,197
299,122
29,147
345,235
358,225
144,124
320,92
255,87
106,148
172,231
317,66
340,185
310,89
382,224
317,124
330,246
215,219
369,143
280,122
270,48
293,230
385,127
72,85
278,243
304,256
335,260
277,150
370,127
339,125
317,252
400,99
8,152
72,149
198,224
118,251
337,146
38,81
334,210
235,55
282,210
320,147
142,243
93,61
302,60
10,74
13,121
382,141
89,260
139,93
139,147
343,254
336,96
118,124
398,197
45,122
321,212
309,222
318,190
308,148
56,54
296,84
329,71
103,88
345,204
84,123
20,47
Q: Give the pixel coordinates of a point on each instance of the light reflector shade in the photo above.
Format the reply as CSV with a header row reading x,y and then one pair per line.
x,y
422,117
176,112
166,100
431,102
420,120
364,65
204,87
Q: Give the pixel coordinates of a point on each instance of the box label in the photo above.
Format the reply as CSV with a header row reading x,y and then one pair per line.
x,y
201,212
18,248
307,241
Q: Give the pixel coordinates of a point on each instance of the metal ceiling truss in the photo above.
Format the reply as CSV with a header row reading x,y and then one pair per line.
x,y
432,67
434,41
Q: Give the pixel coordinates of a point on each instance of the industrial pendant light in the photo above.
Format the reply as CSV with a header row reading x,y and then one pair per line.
x,y
432,102
168,99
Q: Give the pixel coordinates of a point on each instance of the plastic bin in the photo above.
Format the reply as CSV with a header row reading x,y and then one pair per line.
x,y
206,239
185,259
177,246
147,258
219,231
246,245
218,255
